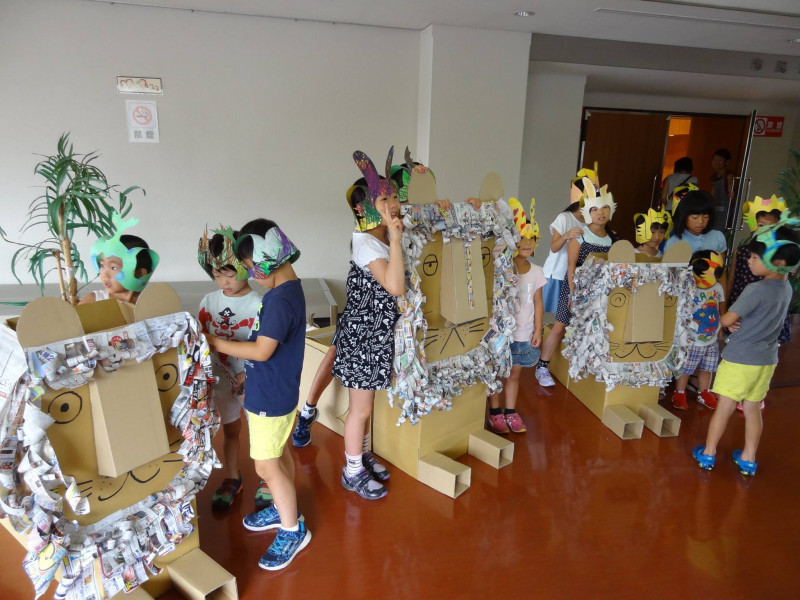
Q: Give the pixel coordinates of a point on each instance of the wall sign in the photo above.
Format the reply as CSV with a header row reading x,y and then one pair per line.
x,y
142,121
139,85
768,127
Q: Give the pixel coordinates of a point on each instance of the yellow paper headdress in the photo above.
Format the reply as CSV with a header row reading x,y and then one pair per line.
x,y
575,192
594,198
707,268
679,192
759,204
526,224
645,221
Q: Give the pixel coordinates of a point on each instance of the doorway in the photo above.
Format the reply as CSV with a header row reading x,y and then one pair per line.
x,y
636,150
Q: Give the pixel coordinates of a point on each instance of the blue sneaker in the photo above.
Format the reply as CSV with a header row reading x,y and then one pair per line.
x,y
301,436
285,547
267,518
746,467
704,461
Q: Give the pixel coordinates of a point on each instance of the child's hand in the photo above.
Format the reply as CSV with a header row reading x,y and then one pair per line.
x,y
734,327
536,340
419,169
574,233
474,202
444,204
394,226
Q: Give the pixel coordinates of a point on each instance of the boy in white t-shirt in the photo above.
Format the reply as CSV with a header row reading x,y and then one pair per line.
x,y
709,305
528,314
227,313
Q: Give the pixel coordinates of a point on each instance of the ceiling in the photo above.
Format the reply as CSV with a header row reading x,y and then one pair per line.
x,y
718,24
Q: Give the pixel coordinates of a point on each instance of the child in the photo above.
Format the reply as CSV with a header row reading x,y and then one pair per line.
x,y
567,226
125,264
528,314
709,303
751,355
681,175
651,229
273,362
721,187
365,333
229,314
693,221
598,208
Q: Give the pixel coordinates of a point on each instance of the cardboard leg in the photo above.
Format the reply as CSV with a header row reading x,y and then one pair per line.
x,y
138,594
198,577
659,420
444,474
623,421
492,449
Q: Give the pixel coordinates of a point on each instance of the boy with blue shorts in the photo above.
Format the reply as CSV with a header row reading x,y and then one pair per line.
x,y
273,361
749,359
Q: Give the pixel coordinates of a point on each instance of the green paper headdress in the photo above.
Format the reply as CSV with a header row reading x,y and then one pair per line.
x,y
407,169
269,252
226,257
108,247
766,235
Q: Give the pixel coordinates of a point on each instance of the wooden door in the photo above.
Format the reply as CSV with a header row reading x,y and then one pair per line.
x,y
629,150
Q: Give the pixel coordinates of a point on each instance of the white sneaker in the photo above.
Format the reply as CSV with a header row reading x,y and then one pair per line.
x,y
543,377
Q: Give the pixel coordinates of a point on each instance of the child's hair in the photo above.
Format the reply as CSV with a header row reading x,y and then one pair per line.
x,y
215,246
790,253
723,153
360,192
574,207
700,265
695,202
773,213
259,227
143,259
683,165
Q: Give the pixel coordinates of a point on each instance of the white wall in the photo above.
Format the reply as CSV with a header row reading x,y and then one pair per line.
x,y
550,146
475,106
259,117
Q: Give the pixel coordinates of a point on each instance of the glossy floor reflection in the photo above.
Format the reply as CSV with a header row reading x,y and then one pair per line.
x,y
578,514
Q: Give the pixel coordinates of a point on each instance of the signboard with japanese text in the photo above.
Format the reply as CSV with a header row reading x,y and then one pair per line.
x,y
765,126
142,121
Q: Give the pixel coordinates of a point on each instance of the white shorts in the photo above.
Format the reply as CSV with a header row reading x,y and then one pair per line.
x,y
228,405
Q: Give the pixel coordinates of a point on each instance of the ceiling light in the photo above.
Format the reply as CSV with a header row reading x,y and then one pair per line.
x,y
523,13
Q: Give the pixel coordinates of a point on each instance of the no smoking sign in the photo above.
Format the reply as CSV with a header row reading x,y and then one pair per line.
x,y
142,120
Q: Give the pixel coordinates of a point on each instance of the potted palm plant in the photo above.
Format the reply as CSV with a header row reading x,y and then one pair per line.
x,y
77,196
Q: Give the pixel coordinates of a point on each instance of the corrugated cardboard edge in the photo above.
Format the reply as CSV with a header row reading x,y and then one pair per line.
x,y
444,474
623,421
492,449
659,420
197,576
137,594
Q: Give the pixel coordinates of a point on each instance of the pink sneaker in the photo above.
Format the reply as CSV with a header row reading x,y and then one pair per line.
x,y
515,423
498,424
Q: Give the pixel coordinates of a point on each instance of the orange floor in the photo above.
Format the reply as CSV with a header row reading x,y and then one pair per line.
x,y
578,514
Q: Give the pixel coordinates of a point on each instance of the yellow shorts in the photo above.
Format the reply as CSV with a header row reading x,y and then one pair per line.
x,y
268,435
743,382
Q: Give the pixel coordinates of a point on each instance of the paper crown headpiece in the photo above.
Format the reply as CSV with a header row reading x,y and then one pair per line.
x,y
679,192
226,257
759,204
646,221
596,198
269,252
526,224
576,194
708,277
366,215
766,235
112,246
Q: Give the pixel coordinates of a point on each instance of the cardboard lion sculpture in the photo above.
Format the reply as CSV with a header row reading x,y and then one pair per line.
x,y
106,440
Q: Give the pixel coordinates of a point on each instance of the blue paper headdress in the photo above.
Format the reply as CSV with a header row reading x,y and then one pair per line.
x,y
766,235
112,246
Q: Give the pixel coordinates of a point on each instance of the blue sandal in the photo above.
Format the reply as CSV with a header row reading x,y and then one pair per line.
x,y
704,461
746,467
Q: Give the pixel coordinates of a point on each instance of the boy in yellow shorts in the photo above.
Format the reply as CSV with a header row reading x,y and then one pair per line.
x,y
273,361
749,359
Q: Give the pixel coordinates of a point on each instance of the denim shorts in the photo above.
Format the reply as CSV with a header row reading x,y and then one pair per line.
x,y
523,354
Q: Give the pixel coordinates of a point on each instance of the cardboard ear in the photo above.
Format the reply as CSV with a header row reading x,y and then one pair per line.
x,y
48,320
157,300
678,253
622,252
491,188
422,188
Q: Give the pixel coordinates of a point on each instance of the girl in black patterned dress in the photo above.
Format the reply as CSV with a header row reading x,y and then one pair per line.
x,y
365,332
598,208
